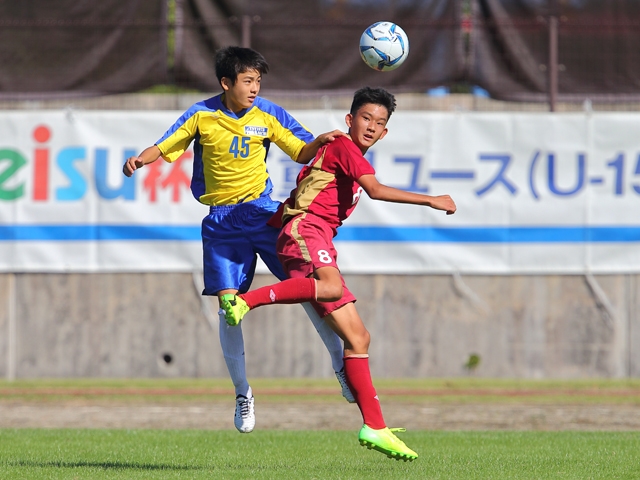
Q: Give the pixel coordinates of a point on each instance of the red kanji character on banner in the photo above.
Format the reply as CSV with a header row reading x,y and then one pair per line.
x,y
175,178
151,180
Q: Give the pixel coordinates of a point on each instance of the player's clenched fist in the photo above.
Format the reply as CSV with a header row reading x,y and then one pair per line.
x,y
446,203
131,165
148,155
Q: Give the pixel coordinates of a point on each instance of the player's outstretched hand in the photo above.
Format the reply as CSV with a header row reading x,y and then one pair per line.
x,y
131,165
330,136
444,202
310,149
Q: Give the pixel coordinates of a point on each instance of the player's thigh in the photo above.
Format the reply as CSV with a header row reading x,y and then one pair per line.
x,y
330,283
346,322
303,256
263,237
229,261
304,240
264,244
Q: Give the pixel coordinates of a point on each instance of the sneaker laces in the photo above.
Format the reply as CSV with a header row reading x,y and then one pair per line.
x,y
244,405
342,379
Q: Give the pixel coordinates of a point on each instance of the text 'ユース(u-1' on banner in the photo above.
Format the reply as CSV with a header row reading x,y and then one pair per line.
x,y
536,193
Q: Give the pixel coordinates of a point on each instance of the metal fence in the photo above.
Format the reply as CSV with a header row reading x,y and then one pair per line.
x,y
465,54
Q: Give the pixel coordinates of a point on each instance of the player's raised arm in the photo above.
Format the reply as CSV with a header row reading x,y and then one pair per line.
x,y
309,151
378,191
148,155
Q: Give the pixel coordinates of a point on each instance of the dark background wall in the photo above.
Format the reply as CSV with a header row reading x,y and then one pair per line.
x,y
85,48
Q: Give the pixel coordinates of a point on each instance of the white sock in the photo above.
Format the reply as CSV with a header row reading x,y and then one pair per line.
x,y
329,337
232,344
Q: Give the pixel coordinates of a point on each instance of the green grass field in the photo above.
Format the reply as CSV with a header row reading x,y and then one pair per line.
x,y
123,454
458,390
269,454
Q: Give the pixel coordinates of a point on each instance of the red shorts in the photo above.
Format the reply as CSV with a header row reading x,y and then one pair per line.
x,y
306,244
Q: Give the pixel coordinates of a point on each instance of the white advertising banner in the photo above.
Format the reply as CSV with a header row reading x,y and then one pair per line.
x,y
536,193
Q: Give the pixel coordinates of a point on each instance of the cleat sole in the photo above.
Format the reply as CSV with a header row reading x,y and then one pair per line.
x,y
393,455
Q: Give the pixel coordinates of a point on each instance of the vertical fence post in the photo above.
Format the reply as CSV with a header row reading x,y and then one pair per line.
x,y
246,31
176,30
11,329
553,54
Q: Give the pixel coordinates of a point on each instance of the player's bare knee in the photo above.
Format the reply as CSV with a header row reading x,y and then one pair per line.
x,y
336,292
366,340
330,292
360,343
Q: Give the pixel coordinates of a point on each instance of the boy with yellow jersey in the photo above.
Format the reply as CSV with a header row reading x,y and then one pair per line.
x,y
231,133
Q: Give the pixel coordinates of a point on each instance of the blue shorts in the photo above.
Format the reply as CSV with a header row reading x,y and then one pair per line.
x,y
232,238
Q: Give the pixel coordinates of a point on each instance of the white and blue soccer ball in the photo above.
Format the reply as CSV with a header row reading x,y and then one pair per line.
x,y
384,46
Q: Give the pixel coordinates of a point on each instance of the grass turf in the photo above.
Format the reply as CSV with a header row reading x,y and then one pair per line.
x,y
458,390
195,454
134,454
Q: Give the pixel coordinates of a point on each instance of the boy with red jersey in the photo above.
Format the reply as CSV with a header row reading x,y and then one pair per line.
x,y
327,191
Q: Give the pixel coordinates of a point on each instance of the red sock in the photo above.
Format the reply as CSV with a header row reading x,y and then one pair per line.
x,y
292,290
358,376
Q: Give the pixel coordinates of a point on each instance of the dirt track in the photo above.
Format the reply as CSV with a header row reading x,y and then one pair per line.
x,y
316,416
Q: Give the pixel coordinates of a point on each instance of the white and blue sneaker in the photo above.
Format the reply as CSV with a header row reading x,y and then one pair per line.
x,y
346,391
245,418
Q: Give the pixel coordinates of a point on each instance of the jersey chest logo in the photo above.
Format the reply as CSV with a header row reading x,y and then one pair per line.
x,y
256,131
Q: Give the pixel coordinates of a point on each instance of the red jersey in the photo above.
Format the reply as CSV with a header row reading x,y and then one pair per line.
x,y
328,186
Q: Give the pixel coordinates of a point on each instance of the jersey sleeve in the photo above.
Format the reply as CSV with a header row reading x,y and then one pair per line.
x,y
177,139
289,134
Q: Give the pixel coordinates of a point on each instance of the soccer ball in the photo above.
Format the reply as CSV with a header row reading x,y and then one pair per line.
x,y
384,46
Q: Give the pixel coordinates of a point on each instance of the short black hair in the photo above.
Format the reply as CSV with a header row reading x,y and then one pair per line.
x,y
377,96
230,61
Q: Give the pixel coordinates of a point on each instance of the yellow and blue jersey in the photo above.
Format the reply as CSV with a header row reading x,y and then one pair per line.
x,y
230,151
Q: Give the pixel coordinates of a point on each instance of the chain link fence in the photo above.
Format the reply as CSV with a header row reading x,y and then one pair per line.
x,y
465,55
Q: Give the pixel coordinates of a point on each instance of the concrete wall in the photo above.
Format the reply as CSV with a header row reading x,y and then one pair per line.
x,y
124,325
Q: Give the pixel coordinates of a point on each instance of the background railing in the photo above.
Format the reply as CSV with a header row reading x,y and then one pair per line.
x,y
565,55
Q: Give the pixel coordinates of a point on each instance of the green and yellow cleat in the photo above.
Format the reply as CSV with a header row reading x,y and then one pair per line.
x,y
385,441
235,308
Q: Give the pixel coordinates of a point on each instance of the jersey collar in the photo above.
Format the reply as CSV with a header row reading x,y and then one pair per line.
x,y
228,112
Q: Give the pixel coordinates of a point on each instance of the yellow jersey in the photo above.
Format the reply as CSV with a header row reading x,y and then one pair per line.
x,y
230,151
